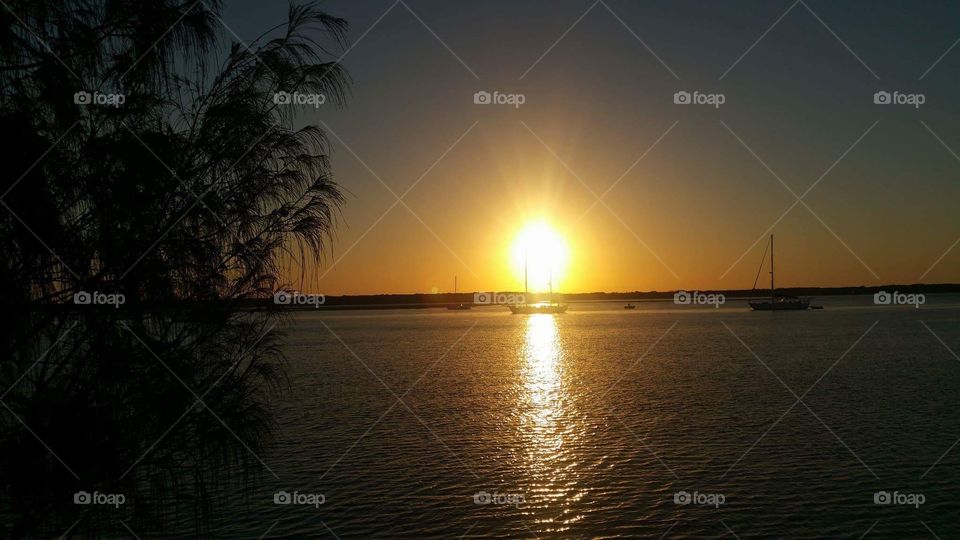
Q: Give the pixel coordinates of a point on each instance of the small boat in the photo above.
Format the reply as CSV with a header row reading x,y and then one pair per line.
x,y
782,303
458,307
777,302
629,306
539,307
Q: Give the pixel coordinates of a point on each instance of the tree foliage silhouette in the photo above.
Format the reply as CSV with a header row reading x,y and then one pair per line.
x,y
190,198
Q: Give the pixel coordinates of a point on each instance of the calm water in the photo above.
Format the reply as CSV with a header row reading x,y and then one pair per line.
x,y
597,418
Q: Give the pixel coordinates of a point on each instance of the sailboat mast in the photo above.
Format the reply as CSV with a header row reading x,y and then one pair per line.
x,y
454,284
772,294
526,290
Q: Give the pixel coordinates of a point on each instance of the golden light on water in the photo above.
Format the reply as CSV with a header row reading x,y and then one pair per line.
x,y
542,373
544,253
545,423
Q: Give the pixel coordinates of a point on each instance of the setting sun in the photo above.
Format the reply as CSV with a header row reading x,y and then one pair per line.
x,y
542,254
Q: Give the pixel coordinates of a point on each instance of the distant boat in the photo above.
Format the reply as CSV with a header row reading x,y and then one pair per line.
x,y
629,306
783,303
539,307
458,307
777,302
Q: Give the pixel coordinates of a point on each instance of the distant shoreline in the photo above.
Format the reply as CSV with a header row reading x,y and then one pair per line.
x,y
443,300
427,300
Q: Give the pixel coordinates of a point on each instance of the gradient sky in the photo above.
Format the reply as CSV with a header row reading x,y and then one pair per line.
x,y
694,211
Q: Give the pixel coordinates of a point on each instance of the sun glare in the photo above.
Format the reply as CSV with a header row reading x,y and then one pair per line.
x,y
543,252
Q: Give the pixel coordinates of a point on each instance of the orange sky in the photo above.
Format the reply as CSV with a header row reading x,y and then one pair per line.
x,y
695,211
669,224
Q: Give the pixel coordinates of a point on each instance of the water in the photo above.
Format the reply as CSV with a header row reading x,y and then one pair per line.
x,y
598,418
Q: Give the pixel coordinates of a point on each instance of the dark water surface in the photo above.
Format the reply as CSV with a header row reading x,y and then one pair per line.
x,y
591,424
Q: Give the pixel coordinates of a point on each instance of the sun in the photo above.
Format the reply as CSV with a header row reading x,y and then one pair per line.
x,y
539,255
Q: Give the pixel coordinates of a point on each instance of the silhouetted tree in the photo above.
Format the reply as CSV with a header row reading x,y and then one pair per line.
x,y
187,198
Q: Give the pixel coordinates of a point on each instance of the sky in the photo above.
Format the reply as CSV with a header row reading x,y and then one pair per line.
x,y
647,194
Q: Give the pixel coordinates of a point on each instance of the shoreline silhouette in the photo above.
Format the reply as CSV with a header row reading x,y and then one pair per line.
x,y
430,300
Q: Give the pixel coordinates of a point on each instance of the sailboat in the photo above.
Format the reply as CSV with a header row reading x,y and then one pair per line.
x,y
539,307
781,302
457,307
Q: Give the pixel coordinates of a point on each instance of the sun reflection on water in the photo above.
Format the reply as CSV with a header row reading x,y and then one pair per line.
x,y
542,371
546,423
